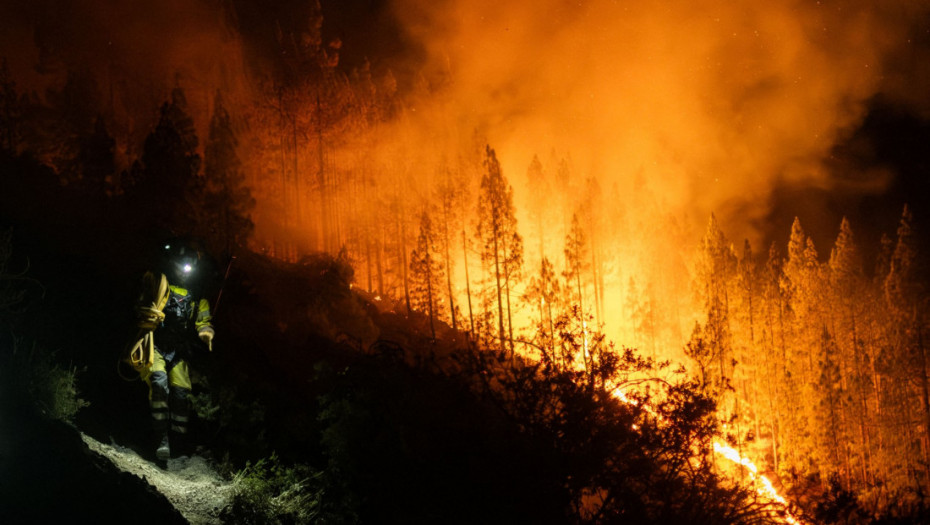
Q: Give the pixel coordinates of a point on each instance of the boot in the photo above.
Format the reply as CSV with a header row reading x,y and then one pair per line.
x,y
163,452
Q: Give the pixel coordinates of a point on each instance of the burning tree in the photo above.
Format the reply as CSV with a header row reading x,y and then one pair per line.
x,y
544,292
501,244
427,274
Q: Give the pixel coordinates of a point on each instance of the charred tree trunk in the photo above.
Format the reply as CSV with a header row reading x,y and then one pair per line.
x,y
321,179
497,282
379,260
594,279
584,326
295,161
402,246
446,242
368,269
429,294
471,314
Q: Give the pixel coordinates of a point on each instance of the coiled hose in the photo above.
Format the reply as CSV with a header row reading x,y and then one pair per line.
x,y
149,314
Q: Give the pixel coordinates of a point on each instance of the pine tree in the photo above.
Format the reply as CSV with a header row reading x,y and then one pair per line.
x,y
538,205
901,288
640,308
576,262
828,429
501,244
229,200
849,297
747,360
170,190
803,326
450,197
470,165
592,218
543,293
779,393
427,274
715,269
906,302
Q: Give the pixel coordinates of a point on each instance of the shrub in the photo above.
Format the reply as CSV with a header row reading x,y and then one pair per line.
x,y
267,492
54,390
36,379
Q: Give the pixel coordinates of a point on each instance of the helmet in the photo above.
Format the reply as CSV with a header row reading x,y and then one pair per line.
x,y
182,261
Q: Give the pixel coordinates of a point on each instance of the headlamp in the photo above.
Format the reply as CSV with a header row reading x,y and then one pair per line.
x,y
184,268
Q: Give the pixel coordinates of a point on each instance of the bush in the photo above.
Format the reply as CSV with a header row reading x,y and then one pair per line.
x,y
53,389
267,492
36,379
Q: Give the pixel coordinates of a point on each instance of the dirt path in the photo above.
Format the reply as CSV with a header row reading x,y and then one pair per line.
x,y
191,484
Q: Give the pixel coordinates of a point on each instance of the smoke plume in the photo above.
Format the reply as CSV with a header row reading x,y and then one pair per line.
x,y
713,103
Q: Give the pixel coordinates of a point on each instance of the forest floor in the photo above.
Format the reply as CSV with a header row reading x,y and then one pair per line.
x,y
191,484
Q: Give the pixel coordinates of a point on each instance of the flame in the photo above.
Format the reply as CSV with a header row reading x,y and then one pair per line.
x,y
764,487
763,484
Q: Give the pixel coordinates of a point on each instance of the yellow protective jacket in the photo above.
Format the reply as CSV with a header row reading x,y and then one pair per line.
x,y
168,311
184,310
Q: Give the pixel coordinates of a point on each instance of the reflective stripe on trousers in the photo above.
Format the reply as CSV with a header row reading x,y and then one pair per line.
x,y
168,391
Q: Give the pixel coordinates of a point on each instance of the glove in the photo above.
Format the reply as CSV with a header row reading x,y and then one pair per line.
x,y
207,337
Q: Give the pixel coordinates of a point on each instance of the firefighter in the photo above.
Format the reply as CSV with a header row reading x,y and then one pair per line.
x,y
184,328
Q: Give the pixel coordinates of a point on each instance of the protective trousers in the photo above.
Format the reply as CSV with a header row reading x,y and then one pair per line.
x,y
169,386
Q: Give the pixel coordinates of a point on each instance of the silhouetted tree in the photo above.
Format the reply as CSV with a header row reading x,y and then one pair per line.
x,y
501,245
171,189
576,262
229,200
426,273
543,292
450,196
